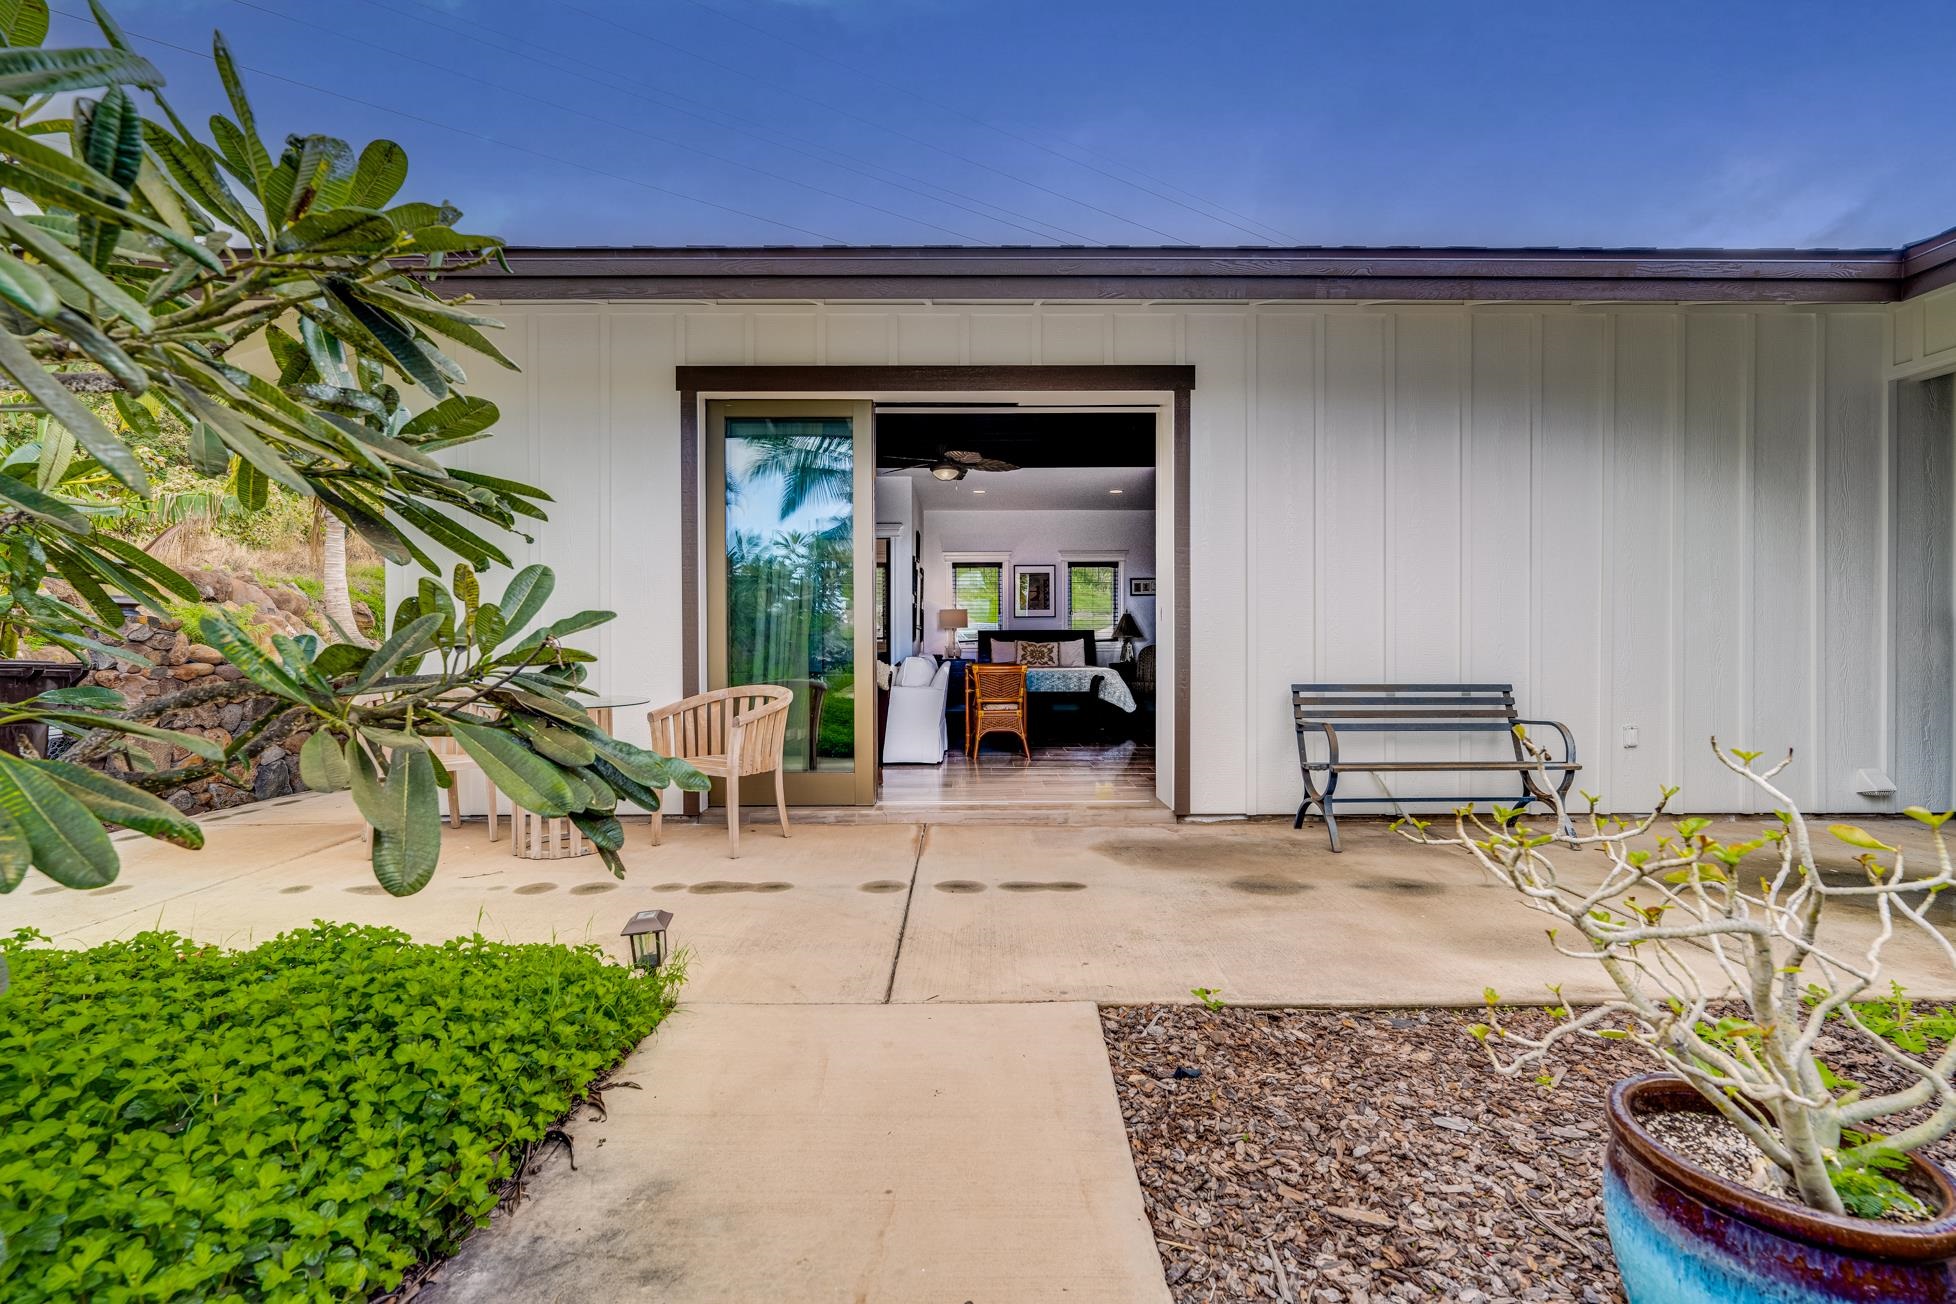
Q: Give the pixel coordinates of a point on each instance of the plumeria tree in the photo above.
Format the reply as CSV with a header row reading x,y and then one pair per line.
x,y
1683,922
277,300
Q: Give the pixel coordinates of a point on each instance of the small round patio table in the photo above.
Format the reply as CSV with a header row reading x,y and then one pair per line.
x,y
538,837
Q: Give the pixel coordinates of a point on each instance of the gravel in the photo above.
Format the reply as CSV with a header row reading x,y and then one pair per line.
x,y
1325,1155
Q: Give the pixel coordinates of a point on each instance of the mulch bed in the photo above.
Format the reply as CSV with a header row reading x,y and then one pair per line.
x,y
1325,1155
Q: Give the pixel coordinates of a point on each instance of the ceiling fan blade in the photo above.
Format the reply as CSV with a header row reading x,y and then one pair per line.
x,y
992,464
960,455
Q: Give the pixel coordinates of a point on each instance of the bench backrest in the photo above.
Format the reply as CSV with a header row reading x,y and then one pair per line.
x,y
1417,708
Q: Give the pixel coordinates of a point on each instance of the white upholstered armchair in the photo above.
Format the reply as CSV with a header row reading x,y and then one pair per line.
x,y
914,733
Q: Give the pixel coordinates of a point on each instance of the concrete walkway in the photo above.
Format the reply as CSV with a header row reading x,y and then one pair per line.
x,y
887,1080
840,1152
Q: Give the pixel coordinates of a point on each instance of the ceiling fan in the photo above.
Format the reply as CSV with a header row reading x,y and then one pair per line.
x,y
950,464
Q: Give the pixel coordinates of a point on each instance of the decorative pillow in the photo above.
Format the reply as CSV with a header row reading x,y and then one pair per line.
x,y
1073,655
1039,654
1004,652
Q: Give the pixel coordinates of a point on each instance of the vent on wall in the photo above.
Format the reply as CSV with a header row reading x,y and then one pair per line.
x,y
1873,783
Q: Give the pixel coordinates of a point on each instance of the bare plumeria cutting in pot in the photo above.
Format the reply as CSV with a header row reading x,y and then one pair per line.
x,y
1682,922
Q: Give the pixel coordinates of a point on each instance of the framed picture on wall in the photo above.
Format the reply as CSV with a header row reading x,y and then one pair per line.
x,y
1141,588
1035,591
917,587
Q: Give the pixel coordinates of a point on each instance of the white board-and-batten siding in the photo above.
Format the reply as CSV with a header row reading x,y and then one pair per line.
x,y
1670,519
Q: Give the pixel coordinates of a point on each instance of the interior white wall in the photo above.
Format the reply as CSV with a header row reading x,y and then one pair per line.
x,y
1676,518
896,519
1031,538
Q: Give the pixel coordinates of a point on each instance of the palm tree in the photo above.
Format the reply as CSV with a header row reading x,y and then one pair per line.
x,y
335,596
812,468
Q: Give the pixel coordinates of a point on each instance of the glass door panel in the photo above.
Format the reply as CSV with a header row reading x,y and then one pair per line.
x,y
790,588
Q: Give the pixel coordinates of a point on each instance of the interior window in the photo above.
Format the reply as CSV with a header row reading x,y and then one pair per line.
x,y
976,587
1093,596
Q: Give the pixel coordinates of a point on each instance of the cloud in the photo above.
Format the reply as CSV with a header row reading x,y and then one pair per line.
x,y
1766,198
854,10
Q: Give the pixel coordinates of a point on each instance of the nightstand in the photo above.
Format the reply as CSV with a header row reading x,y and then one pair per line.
x,y
954,701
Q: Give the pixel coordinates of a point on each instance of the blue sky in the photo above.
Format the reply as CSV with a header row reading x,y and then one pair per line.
x,y
1090,122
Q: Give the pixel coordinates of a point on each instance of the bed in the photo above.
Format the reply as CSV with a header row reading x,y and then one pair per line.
x,y
1065,700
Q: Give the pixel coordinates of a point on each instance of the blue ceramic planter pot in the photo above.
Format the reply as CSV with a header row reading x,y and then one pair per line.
x,y
1683,1236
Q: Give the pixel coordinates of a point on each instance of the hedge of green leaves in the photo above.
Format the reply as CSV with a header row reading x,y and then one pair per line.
x,y
300,1121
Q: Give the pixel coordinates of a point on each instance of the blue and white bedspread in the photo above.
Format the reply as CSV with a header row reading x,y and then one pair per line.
x,y
1111,688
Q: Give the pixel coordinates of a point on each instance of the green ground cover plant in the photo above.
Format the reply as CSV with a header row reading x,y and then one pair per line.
x,y
304,1120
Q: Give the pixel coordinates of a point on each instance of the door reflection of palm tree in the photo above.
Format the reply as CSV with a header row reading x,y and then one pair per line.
x,y
813,470
788,591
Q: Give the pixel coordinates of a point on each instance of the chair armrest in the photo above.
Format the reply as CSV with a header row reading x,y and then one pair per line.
x,y
743,725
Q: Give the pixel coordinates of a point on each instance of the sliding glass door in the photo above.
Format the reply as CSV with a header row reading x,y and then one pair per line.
x,y
791,582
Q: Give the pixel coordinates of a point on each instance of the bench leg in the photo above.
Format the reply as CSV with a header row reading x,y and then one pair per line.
x,y
1567,829
1322,800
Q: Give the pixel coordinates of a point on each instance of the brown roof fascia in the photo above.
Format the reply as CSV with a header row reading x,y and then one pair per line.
x,y
1929,264
1229,274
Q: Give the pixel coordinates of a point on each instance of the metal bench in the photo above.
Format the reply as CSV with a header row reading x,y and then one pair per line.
x,y
1331,711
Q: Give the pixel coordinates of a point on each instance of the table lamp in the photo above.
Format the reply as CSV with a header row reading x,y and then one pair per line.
x,y
953,619
1127,629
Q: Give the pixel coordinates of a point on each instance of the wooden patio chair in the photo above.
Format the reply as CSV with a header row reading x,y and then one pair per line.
x,y
458,763
995,702
727,734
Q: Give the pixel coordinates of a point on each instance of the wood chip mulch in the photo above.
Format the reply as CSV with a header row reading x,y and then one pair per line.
x,y
1330,1155
1361,1156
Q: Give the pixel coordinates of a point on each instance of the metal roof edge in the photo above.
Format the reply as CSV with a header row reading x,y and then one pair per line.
x,y
1214,273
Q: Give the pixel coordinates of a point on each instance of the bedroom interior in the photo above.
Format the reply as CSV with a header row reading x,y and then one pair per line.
x,y
1015,588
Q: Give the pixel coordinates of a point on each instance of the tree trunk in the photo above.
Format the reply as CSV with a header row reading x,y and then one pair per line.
x,y
337,598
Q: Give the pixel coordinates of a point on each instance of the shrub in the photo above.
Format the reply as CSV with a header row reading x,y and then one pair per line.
x,y
367,582
1681,921
299,1121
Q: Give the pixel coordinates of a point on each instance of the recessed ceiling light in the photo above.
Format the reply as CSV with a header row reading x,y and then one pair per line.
x,y
977,491
1113,491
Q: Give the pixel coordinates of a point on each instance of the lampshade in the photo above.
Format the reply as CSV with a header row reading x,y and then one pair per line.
x,y
1128,627
953,618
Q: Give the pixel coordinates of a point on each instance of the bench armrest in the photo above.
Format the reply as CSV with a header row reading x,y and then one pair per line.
x,y
1330,739
1568,739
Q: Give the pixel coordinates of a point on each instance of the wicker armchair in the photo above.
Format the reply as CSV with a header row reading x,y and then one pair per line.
x,y
995,702
727,734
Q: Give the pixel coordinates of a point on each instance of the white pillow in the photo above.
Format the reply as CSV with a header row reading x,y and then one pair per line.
x,y
916,671
1072,654
1005,652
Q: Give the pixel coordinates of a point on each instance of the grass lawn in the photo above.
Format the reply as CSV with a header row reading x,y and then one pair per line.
x,y
836,736
304,1120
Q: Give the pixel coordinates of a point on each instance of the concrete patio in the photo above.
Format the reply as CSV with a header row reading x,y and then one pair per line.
x,y
895,912
887,1080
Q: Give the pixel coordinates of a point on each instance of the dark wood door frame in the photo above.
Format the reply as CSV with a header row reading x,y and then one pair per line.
x,y
753,382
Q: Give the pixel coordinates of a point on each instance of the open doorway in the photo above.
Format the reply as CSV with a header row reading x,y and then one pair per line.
x,y
1016,554
884,560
